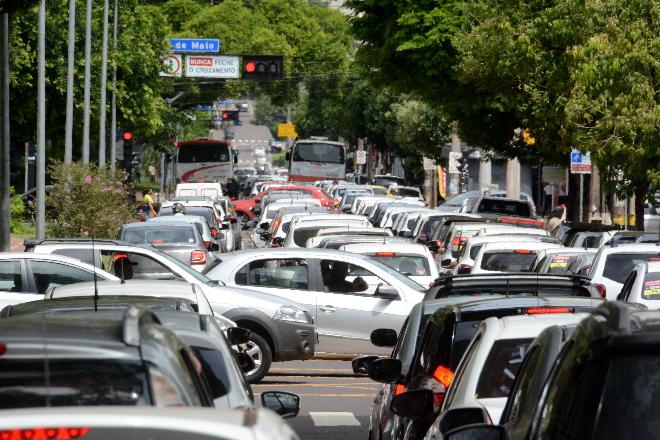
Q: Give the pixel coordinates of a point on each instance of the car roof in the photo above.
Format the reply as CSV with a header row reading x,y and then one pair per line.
x,y
517,302
530,245
389,247
178,218
309,252
168,288
529,326
148,224
630,247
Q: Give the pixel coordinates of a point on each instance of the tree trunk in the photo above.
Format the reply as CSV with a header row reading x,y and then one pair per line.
x,y
640,201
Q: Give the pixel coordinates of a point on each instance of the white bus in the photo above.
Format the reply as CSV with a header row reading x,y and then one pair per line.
x,y
204,160
315,159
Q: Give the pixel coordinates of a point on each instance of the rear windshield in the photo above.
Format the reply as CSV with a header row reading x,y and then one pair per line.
x,y
300,236
559,263
501,367
651,287
72,382
407,192
505,207
507,261
207,213
409,265
159,235
618,266
196,153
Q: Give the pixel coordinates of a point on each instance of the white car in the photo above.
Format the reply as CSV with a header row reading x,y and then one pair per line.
x,y
198,189
131,423
498,228
412,260
509,257
643,285
488,368
27,276
612,265
270,211
406,221
350,295
305,227
558,260
348,230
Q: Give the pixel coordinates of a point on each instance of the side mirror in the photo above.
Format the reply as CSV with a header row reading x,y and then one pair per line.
x,y
433,245
413,404
214,247
361,364
481,432
386,370
227,218
385,291
285,404
279,241
383,337
264,225
407,234
257,201
245,362
251,224
446,262
458,417
238,335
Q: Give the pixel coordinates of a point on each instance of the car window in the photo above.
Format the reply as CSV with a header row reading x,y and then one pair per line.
x,y
618,265
215,371
160,234
559,263
507,261
10,276
342,277
289,273
86,255
49,274
501,367
461,369
651,286
526,375
474,251
409,265
129,265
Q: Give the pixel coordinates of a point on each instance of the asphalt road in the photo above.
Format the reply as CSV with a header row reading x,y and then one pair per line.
x,y
335,405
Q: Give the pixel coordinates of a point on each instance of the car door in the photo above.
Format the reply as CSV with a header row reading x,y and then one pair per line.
x,y
347,312
14,285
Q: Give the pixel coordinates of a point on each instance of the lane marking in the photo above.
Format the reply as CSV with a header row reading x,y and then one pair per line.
x,y
334,419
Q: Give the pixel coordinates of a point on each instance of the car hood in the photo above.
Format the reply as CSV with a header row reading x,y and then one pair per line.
x,y
227,298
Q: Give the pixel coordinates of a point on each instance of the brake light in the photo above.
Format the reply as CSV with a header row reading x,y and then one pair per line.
x,y
458,240
214,232
385,254
601,289
547,310
3,349
207,244
523,251
654,259
399,389
60,433
443,375
158,241
198,257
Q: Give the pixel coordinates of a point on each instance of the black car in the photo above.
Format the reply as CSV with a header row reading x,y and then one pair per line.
x,y
445,338
604,385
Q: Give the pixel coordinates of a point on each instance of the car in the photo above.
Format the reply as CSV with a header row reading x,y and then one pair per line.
x,y
456,204
279,227
558,260
487,370
154,423
270,211
244,207
131,360
337,241
443,337
611,266
181,240
407,221
504,207
28,276
346,231
412,260
350,195
509,257
198,189
210,236
282,330
609,361
387,180
348,294
642,286
303,228
566,230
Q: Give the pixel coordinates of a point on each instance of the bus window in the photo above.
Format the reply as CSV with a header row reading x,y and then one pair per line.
x,y
309,152
197,153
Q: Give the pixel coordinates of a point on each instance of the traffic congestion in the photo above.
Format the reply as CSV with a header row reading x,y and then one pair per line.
x,y
477,319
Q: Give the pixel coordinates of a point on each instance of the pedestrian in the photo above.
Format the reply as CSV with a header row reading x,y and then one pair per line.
x,y
549,190
152,173
149,202
232,188
562,194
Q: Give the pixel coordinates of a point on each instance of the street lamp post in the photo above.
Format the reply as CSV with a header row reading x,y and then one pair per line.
x,y
88,61
68,128
104,84
41,125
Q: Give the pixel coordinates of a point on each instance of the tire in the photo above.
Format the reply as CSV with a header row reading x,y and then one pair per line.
x,y
258,348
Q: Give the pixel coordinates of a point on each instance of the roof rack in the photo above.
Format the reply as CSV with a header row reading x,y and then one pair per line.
x,y
134,318
32,243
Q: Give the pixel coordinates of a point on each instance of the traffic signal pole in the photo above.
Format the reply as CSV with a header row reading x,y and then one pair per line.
x,y
5,225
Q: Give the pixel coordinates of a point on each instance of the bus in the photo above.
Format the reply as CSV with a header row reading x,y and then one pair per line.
x,y
316,159
205,160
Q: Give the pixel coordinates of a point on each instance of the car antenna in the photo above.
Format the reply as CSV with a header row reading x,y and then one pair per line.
x,y
96,289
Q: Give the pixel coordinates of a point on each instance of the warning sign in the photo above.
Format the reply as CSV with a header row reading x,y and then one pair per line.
x,y
212,66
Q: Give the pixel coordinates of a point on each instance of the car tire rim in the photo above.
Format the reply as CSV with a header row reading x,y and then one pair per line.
x,y
254,351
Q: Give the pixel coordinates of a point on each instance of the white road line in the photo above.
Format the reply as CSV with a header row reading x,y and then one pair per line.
x,y
334,419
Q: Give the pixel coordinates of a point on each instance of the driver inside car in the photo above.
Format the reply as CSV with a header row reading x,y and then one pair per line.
x,y
335,279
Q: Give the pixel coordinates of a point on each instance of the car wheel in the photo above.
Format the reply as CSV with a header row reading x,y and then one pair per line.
x,y
259,350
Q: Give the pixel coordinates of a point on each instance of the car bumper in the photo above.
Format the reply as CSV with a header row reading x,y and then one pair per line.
x,y
298,341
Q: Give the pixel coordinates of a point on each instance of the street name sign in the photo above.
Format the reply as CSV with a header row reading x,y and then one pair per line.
x,y
580,163
200,45
212,66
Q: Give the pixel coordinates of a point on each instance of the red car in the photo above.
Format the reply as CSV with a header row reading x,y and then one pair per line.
x,y
244,207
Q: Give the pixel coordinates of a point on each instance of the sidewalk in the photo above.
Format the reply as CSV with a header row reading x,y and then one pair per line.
x,y
16,244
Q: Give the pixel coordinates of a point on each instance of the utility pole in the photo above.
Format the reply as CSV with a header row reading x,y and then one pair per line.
x,y
454,175
5,225
104,84
68,128
88,61
113,104
41,124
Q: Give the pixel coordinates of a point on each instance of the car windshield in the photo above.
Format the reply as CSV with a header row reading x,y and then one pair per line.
x,y
27,383
407,192
405,264
318,152
501,367
508,261
164,234
618,266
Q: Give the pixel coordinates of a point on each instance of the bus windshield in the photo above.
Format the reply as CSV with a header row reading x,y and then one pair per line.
x,y
207,152
318,152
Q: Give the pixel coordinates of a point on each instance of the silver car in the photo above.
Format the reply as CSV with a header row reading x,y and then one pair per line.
x,y
350,295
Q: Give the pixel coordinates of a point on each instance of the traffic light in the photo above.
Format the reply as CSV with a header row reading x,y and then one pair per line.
x,y
263,67
231,115
128,151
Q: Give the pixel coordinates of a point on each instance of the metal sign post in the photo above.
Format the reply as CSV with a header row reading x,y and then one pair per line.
x,y
580,164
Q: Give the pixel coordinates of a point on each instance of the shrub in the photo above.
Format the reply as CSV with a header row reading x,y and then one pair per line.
x,y
16,211
86,201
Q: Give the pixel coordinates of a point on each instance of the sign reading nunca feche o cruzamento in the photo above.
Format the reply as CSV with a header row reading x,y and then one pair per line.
x,y
212,66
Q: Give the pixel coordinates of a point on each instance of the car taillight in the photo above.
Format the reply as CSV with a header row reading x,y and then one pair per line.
x,y
214,233
547,310
3,349
601,289
443,375
198,257
207,244
523,251
385,254
43,433
399,389
464,268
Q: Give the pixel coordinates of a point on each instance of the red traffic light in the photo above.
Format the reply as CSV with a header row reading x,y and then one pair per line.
x,y
225,115
128,135
250,67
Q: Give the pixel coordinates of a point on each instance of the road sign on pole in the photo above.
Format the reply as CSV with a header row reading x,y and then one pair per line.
x,y
172,66
212,66
360,157
286,130
199,45
580,163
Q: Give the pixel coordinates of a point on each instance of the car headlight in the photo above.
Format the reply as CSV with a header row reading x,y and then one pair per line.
x,y
288,313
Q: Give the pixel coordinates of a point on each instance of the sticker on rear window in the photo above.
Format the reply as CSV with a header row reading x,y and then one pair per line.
x,y
559,261
651,290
